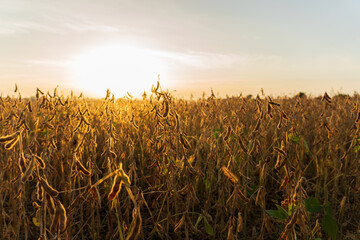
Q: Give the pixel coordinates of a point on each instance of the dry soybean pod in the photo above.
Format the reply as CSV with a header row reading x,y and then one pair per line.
x,y
279,150
50,204
55,221
167,109
9,145
242,144
135,226
81,167
241,195
280,121
284,182
50,190
28,171
230,175
10,137
96,195
116,187
22,163
40,161
39,191
124,176
228,133
62,216
179,224
184,141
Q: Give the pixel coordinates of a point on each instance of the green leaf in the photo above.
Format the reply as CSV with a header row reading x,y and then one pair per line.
x,y
306,146
328,209
207,183
277,214
208,228
313,205
356,148
198,220
330,226
282,210
280,213
294,137
252,190
216,132
291,209
42,131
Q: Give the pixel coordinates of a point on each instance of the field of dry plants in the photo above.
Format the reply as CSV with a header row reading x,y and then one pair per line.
x,y
166,168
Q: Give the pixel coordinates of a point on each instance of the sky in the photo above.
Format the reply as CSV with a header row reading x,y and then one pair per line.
x,y
231,46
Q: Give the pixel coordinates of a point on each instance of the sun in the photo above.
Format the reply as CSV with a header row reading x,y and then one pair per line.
x,y
121,69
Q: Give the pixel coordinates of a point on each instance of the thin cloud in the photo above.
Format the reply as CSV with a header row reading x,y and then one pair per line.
x,y
206,60
35,26
27,27
208,65
88,27
201,60
8,31
191,59
50,63
13,76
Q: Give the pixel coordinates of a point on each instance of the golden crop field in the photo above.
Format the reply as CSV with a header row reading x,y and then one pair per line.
x,y
167,168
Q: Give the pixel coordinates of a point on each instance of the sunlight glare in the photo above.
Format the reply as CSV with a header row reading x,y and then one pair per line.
x,y
122,69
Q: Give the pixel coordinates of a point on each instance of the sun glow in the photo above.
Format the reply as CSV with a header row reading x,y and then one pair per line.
x,y
121,69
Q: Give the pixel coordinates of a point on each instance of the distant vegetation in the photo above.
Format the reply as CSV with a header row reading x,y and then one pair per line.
x,y
166,168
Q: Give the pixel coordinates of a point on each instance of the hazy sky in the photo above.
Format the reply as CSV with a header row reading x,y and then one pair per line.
x,y
238,46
